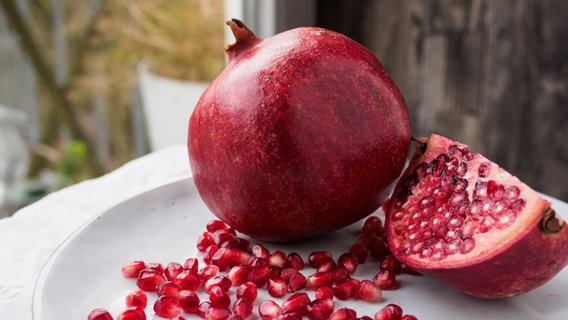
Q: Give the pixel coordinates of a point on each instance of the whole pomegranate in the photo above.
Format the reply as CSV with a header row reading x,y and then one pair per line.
x,y
458,217
302,133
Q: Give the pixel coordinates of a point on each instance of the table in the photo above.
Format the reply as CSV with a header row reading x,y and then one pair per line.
x,y
28,238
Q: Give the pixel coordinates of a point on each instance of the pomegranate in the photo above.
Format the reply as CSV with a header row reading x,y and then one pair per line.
x,y
301,134
458,217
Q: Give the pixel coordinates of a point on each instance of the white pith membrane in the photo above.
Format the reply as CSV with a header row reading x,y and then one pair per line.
x,y
481,222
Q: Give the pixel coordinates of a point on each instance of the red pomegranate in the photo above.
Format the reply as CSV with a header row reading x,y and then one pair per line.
x,y
302,133
458,217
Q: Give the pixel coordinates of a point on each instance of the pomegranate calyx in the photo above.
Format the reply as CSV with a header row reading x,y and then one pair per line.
x,y
244,37
550,224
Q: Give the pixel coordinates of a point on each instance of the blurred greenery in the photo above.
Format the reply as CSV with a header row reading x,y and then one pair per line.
x,y
106,39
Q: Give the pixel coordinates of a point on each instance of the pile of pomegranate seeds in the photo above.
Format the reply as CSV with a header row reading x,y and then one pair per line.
x,y
225,282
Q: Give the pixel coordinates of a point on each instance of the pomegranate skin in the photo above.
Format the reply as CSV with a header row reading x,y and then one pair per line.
x,y
504,262
301,134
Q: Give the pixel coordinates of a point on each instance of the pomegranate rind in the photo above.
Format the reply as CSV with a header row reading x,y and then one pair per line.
x,y
506,261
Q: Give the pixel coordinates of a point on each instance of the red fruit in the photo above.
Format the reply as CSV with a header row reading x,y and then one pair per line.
x,y
137,299
346,289
319,279
269,310
308,120
150,279
389,312
172,270
277,287
408,317
297,302
320,309
242,308
317,258
247,291
132,314
187,281
191,265
239,274
460,218
386,279
168,288
99,314
218,281
188,301
344,314
167,307
297,282
131,269
369,291
219,297
216,313
294,260
348,261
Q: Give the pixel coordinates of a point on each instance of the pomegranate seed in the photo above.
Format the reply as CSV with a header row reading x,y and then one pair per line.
x,y
167,307
287,273
346,289
348,261
218,281
369,291
259,262
247,291
408,317
155,266
259,251
360,252
132,314
275,272
269,310
149,279
327,265
204,241
207,272
191,265
187,281
386,280
365,240
132,269
259,276
294,260
221,258
378,249
277,287
365,318
374,225
239,274
243,308
172,270
235,317
320,309
389,312
238,257
216,313
316,258
388,263
297,282
340,274
319,279
219,297
188,301
324,293
203,308
277,259
136,299
169,288
215,225
297,302
209,253
99,314
222,236
344,314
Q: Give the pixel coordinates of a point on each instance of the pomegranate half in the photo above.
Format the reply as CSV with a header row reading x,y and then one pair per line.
x,y
459,218
302,133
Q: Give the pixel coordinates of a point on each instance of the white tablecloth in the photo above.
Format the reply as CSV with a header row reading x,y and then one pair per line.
x,y
29,237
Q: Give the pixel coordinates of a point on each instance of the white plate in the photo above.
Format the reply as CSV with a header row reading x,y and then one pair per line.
x,y
162,225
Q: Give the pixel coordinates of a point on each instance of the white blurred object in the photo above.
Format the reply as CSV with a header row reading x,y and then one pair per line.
x,y
166,106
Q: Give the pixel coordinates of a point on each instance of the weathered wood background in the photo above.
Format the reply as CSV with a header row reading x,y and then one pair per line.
x,y
492,74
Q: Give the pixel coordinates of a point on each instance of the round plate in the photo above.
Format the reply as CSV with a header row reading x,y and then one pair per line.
x,y
162,225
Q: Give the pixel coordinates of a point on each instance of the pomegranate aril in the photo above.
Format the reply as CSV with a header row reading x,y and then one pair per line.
x,y
269,310
219,297
191,265
369,291
131,269
221,258
204,241
319,279
389,312
340,274
386,279
238,257
344,314
374,225
155,266
167,307
207,272
150,279
222,236
290,316
297,282
320,309
209,252
324,293
189,301
348,261
294,260
277,287
277,259
239,274
247,291
243,307
169,288
187,281
215,225
360,252
99,314
218,281
260,251
132,314
297,302
203,308
346,289
217,313
327,265
137,299
259,276
172,270
408,317
315,259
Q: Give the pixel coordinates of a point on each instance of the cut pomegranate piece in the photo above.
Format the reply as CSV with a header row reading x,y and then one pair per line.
x,y
99,314
460,218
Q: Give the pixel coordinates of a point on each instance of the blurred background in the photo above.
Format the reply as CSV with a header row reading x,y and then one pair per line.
x,y
86,86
